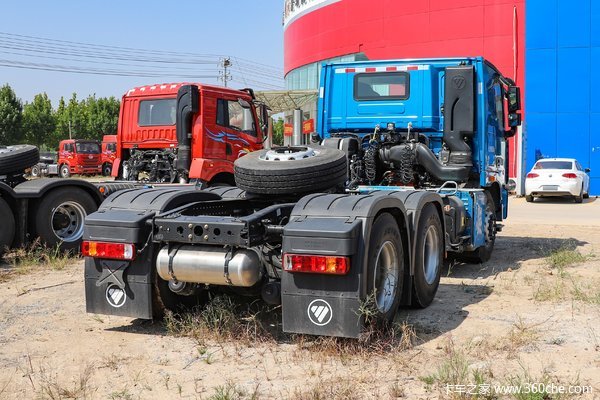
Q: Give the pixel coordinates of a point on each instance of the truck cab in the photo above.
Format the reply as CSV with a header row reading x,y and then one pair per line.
x,y
182,132
109,153
78,156
432,122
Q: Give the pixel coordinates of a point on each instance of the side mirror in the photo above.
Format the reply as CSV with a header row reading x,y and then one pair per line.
x,y
587,170
264,117
514,99
243,103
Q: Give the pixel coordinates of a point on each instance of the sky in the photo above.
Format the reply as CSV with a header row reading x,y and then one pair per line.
x,y
163,40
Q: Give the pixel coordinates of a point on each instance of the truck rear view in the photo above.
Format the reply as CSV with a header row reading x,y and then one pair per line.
x,y
409,172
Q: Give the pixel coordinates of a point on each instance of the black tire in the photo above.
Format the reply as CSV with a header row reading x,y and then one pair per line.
x,y
15,159
60,215
385,242
7,233
64,171
483,253
579,198
106,169
429,257
164,299
529,199
323,171
35,171
586,195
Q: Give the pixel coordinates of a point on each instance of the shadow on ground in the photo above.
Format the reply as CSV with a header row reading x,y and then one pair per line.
x,y
560,200
510,252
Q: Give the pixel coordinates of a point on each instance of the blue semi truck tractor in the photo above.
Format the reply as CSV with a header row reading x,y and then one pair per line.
x,y
407,171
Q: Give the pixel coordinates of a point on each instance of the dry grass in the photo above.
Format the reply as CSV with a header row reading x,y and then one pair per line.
x,y
224,317
339,388
34,257
51,387
232,391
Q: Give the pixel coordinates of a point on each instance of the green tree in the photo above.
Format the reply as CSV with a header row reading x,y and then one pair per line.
x,y
102,116
11,116
61,130
39,121
278,132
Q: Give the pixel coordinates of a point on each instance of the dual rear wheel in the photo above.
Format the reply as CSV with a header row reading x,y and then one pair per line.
x,y
387,264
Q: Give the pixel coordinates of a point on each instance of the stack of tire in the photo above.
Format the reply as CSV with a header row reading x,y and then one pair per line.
x,y
13,161
291,170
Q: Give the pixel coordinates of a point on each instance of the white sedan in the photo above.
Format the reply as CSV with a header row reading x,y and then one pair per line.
x,y
557,177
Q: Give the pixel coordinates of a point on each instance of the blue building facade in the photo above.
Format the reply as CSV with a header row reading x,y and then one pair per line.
x,y
562,82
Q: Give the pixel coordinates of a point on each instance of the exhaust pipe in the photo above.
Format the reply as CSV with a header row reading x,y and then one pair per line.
x,y
423,156
187,105
209,265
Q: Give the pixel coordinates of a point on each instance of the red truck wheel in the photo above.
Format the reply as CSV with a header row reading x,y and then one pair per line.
x,y
7,233
64,171
106,169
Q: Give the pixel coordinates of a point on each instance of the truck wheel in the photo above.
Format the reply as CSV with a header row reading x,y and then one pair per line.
x,y
483,253
7,233
385,268
15,159
429,257
164,299
64,171
35,171
60,216
529,199
106,169
291,170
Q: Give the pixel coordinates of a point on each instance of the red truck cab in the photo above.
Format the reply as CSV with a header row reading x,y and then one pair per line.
x,y
78,156
109,153
186,132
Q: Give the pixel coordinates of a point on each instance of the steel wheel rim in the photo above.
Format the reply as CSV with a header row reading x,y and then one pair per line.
x,y
431,255
76,216
385,276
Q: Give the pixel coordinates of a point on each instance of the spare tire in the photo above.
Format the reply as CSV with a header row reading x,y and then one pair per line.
x,y
291,170
15,159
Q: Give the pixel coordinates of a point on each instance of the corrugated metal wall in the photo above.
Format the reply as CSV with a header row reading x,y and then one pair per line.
x,y
562,80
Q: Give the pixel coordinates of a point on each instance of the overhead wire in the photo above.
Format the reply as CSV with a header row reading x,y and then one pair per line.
x,y
139,62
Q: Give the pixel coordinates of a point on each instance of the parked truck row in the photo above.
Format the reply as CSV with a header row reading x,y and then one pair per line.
x,y
409,172
146,152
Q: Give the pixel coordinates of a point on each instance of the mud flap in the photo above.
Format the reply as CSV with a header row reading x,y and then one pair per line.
x,y
118,287
321,315
318,304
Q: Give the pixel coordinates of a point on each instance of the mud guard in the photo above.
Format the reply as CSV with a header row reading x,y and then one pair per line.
x,y
327,224
121,287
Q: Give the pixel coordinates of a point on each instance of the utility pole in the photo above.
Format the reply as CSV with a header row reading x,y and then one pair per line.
x,y
224,74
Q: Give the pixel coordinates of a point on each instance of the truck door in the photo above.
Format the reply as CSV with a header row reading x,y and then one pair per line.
x,y
237,118
67,152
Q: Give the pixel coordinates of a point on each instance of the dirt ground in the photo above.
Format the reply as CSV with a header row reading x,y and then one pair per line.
x,y
515,320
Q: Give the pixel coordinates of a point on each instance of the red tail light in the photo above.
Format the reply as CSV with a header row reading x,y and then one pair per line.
x,y
115,251
570,175
316,264
532,175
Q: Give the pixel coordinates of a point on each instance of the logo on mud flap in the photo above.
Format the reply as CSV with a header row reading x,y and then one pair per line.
x,y
319,312
459,82
115,296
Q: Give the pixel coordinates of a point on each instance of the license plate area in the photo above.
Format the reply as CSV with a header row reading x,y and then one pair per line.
x,y
550,187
